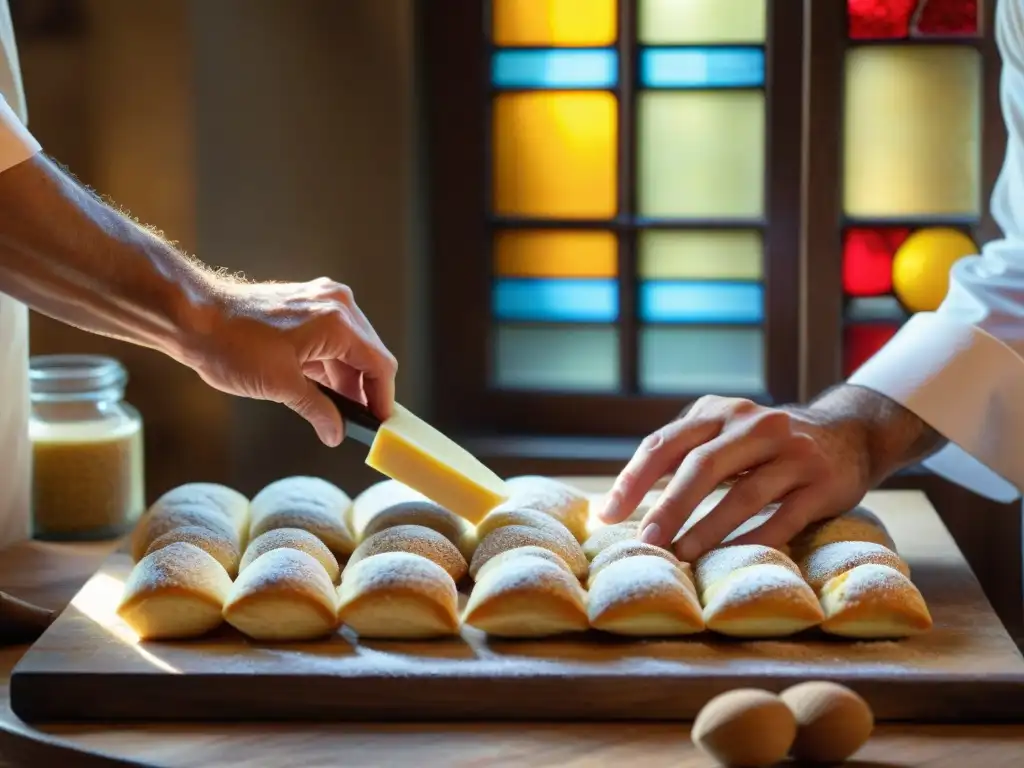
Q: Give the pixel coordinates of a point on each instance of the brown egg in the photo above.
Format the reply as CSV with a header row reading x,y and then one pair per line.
x,y
747,728
832,721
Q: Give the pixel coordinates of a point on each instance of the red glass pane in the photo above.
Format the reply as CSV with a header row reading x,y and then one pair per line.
x,y
861,342
867,260
948,17
875,19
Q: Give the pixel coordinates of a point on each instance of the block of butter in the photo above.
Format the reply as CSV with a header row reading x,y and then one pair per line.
x,y
409,450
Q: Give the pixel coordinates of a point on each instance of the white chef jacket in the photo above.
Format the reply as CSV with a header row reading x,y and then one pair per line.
x,y
960,368
16,146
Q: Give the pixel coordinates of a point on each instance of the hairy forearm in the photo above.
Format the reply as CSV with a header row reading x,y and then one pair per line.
x,y
877,432
67,254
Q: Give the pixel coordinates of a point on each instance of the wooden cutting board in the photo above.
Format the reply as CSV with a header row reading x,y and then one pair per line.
x,y
88,667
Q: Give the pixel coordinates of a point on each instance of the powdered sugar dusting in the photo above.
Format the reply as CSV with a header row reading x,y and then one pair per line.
x,y
284,569
754,582
397,570
418,540
544,494
719,563
830,560
531,551
179,565
292,538
209,496
222,548
636,578
610,534
527,574
858,524
868,581
629,548
514,536
301,497
162,519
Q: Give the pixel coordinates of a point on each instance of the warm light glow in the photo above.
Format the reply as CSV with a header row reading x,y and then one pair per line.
x,y
98,600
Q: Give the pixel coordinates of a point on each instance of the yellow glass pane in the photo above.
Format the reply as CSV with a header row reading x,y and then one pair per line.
x,y
912,131
700,255
701,153
554,22
664,22
557,253
554,154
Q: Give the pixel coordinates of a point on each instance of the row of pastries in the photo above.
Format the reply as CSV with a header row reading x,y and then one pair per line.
x,y
301,559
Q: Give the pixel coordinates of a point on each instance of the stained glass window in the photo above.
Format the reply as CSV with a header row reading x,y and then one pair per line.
x,y
639,146
911,161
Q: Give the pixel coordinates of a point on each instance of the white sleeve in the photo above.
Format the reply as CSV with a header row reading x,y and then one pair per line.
x,y
16,144
961,368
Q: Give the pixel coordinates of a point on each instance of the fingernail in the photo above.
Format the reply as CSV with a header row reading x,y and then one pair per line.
x,y
651,534
611,506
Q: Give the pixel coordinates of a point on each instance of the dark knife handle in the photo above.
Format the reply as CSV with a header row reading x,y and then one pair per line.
x,y
360,423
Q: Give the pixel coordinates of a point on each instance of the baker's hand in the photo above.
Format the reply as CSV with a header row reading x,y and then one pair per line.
x,y
814,470
272,341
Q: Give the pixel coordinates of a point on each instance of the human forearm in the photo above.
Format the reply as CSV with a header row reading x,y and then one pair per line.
x,y
68,255
870,430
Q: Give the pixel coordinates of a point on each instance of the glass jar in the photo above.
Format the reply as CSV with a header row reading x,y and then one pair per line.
x,y
87,461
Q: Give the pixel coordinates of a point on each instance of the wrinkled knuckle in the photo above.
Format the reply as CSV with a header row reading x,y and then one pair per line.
x,y
801,446
653,442
344,294
742,406
771,422
390,363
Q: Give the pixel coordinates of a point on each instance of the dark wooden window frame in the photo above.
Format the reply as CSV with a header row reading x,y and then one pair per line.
x,y
456,67
822,284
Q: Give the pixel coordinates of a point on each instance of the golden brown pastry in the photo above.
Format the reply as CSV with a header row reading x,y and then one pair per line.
x,y
825,563
417,539
428,514
873,601
767,600
398,595
832,721
283,595
715,565
566,504
176,592
644,595
631,548
217,508
527,597
309,503
531,518
531,550
859,524
293,538
514,536
745,727
223,549
606,535
377,497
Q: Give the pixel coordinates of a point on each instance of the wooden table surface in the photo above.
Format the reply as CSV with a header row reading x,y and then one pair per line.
x,y
50,575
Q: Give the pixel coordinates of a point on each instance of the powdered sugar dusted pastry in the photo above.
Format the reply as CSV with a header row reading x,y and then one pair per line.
x,y
633,548
396,595
859,524
514,536
607,535
767,600
292,538
566,504
531,518
284,594
223,549
527,597
531,551
418,540
174,592
873,601
428,514
831,560
309,503
377,497
217,508
715,565
644,595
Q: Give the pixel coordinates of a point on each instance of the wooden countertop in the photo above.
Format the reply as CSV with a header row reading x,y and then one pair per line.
x,y
50,574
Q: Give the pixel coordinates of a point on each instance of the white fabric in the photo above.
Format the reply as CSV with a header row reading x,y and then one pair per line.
x,y
961,368
16,146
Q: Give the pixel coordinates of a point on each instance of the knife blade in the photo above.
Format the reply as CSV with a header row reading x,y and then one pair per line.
x,y
360,423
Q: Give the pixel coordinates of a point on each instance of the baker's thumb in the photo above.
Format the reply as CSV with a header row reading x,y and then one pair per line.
x,y
316,408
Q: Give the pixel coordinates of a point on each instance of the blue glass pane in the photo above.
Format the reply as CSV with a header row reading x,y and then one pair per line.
x,y
702,67
590,68
701,302
558,301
